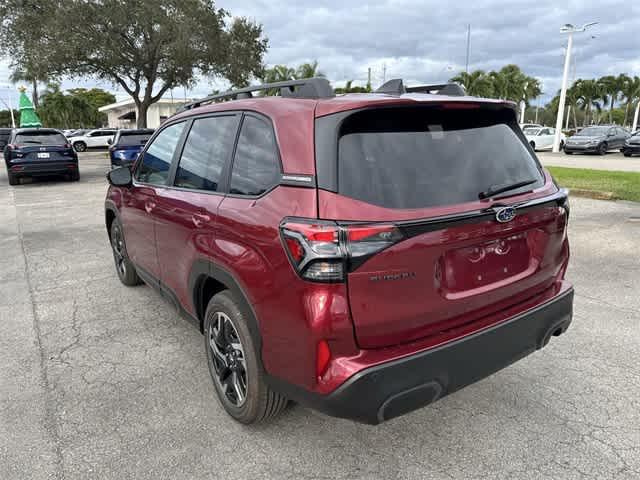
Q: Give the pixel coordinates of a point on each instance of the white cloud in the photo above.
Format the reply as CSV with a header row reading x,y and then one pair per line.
x,y
424,41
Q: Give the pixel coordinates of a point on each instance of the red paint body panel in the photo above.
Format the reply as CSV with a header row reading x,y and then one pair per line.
x,y
451,293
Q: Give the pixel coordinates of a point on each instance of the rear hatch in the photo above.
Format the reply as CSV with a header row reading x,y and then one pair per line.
x,y
42,147
464,241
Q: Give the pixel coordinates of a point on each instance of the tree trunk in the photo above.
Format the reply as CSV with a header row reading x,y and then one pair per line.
x,y
626,115
611,112
34,93
141,114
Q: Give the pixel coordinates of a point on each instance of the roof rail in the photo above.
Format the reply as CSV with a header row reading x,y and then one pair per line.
x,y
315,87
396,87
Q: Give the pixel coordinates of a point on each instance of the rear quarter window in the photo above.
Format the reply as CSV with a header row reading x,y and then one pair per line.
x,y
406,158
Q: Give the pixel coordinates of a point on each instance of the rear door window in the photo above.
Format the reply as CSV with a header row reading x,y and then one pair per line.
x,y
207,149
156,161
128,140
407,158
256,166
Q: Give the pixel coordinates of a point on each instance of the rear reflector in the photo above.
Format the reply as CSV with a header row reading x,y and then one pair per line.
x,y
323,355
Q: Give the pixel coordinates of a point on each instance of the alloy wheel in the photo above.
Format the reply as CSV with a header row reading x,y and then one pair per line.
x,y
229,361
117,243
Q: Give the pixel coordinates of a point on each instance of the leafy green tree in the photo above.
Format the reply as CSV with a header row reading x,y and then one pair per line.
x,y
611,87
144,46
5,118
282,73
308,70
350,88
476,83
75,109
630,95
589,97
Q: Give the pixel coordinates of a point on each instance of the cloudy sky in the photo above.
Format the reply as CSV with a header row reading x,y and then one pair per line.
x,y
425,41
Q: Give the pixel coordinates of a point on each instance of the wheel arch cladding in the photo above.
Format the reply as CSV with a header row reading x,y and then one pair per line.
x,y
109,217
206,280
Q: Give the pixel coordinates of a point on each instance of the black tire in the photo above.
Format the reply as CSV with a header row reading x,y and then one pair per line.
x,y
13,180
75,176
533,145
568,153
626,154
602,149
561,145
125,269
80,147
233,367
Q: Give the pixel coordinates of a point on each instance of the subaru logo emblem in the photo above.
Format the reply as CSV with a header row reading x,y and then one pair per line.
x,y
505,214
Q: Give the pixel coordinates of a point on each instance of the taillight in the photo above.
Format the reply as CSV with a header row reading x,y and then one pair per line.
x,y
323,251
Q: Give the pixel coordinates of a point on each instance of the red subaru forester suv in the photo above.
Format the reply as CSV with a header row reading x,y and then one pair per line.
x,y
363,254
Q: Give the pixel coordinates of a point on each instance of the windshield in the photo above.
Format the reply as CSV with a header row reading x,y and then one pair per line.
x,y
592,132
40,138
424,157
129,139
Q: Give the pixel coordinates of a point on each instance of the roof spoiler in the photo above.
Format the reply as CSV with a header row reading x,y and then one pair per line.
x,y
396,87
315,87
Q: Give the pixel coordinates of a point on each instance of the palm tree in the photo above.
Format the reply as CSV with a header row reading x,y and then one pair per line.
x,y
476,83
308,70
611,90
630,94
589,94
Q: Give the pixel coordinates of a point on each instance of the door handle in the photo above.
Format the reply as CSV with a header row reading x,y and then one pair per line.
x,y
199,218
149,206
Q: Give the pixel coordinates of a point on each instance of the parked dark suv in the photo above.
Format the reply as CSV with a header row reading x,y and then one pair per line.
x,y
363,255
35,152
126,146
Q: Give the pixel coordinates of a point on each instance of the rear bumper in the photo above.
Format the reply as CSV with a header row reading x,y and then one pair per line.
x,y
48,168
392,389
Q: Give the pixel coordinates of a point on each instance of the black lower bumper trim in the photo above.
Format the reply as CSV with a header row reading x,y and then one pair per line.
x,y
398,387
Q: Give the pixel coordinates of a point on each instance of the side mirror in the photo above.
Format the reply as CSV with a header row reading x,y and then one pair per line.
x,y
109,141
120,177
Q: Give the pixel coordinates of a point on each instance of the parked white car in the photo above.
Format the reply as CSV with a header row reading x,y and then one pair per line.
x,y
93,139
541,138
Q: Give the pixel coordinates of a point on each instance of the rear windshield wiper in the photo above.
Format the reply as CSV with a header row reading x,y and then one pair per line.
x,y
505,187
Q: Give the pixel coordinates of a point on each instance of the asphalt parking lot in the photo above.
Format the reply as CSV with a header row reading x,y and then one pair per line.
x,y
103,381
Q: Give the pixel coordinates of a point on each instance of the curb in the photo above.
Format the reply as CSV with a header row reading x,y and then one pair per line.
x,y
595,194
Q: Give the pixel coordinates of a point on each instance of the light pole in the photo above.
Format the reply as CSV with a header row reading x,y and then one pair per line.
x,y
570,30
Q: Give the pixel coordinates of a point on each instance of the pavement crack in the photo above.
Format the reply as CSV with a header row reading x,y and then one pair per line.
x,y
50,422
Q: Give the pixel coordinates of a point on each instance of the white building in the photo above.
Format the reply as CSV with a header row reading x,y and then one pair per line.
x,y
123,114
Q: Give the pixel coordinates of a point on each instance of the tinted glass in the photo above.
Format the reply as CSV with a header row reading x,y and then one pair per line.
x,y
416,158
104,133
256,166
592,132
40,138
4,138
156,161
207,149
133,139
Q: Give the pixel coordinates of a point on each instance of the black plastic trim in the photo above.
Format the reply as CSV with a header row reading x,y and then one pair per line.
x,y
397,387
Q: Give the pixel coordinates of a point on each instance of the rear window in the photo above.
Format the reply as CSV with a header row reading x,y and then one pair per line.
x,y
40,138
128,139
425,157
